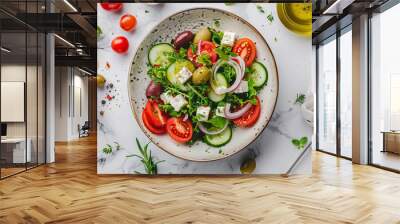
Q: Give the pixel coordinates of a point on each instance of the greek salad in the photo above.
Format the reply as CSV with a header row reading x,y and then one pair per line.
x,y
203,84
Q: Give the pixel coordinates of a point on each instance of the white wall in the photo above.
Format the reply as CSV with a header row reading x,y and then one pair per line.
x,y
71,93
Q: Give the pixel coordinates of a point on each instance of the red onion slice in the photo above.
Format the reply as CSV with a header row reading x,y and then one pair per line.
x,y
208,132
236,114
239,76
185,118
241,62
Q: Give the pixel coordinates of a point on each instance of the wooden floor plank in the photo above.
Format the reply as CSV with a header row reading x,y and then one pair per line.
x,y
70,191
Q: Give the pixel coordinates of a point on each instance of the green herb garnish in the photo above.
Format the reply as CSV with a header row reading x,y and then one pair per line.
x,y
146,158
300,143
107,149
300,98
270,18
99,32
260,8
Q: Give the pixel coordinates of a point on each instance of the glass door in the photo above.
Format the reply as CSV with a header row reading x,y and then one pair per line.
x,y
346,92
326,60
385,90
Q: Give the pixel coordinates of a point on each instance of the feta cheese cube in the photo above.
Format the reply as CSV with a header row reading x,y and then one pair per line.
x,y
220,90
166,97
203,112
228,39
183,75
242,88
178,102
220,111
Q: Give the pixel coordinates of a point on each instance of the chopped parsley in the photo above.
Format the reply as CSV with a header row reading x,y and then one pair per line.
x,y
300,143
300,98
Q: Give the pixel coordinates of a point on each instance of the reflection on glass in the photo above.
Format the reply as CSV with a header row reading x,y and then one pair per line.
x,y
346,94
13,85
31,100
327,97
386,89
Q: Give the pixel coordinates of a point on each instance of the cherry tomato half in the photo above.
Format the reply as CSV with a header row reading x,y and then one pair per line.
x,y
206,47
179,130
250,117
150,127
111,6
246,49
155,116
120,44
127,22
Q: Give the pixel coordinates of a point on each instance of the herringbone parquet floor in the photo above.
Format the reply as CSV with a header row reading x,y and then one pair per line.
x,y
69,191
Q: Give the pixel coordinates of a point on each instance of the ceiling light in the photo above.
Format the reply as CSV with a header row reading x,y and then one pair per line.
x,y
5,50
337,7
70,5
64,40
84,71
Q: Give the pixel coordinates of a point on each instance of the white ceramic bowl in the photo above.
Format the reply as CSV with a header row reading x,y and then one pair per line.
x,y
165,31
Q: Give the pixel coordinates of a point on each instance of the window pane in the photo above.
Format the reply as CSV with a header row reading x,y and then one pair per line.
x,y
327,97
385,83
346,94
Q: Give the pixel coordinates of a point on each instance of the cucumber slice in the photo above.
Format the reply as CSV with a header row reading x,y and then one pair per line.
x,y
220,80
215,97
259,75
220,139
173,70
157,54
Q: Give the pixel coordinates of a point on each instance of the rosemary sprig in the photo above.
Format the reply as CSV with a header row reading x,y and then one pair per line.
x,y
146,158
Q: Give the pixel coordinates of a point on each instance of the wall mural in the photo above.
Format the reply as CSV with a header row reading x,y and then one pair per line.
x,y
204,88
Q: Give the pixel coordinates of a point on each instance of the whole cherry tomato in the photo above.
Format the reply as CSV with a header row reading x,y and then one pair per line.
x,y
120,44
111,6
127,22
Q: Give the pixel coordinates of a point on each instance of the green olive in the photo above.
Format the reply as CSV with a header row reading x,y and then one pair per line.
x,y
100,81
202,34
201,75
248,166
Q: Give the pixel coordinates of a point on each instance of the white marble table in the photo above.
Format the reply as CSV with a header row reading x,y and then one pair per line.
x,y
274,150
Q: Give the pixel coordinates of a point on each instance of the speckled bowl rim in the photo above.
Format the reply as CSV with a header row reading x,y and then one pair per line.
x,y
135,114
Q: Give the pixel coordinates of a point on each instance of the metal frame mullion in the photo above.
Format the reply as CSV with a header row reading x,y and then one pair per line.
x,y
338,82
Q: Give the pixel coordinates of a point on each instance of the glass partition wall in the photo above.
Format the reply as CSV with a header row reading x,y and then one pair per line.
x,y
334,88
385,89
22,77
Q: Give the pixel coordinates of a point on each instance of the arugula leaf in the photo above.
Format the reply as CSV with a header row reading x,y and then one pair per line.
x,y
204,59
216,36
176,56
300,143
228,72
300,98
218,122
224,52
99,32
252,93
